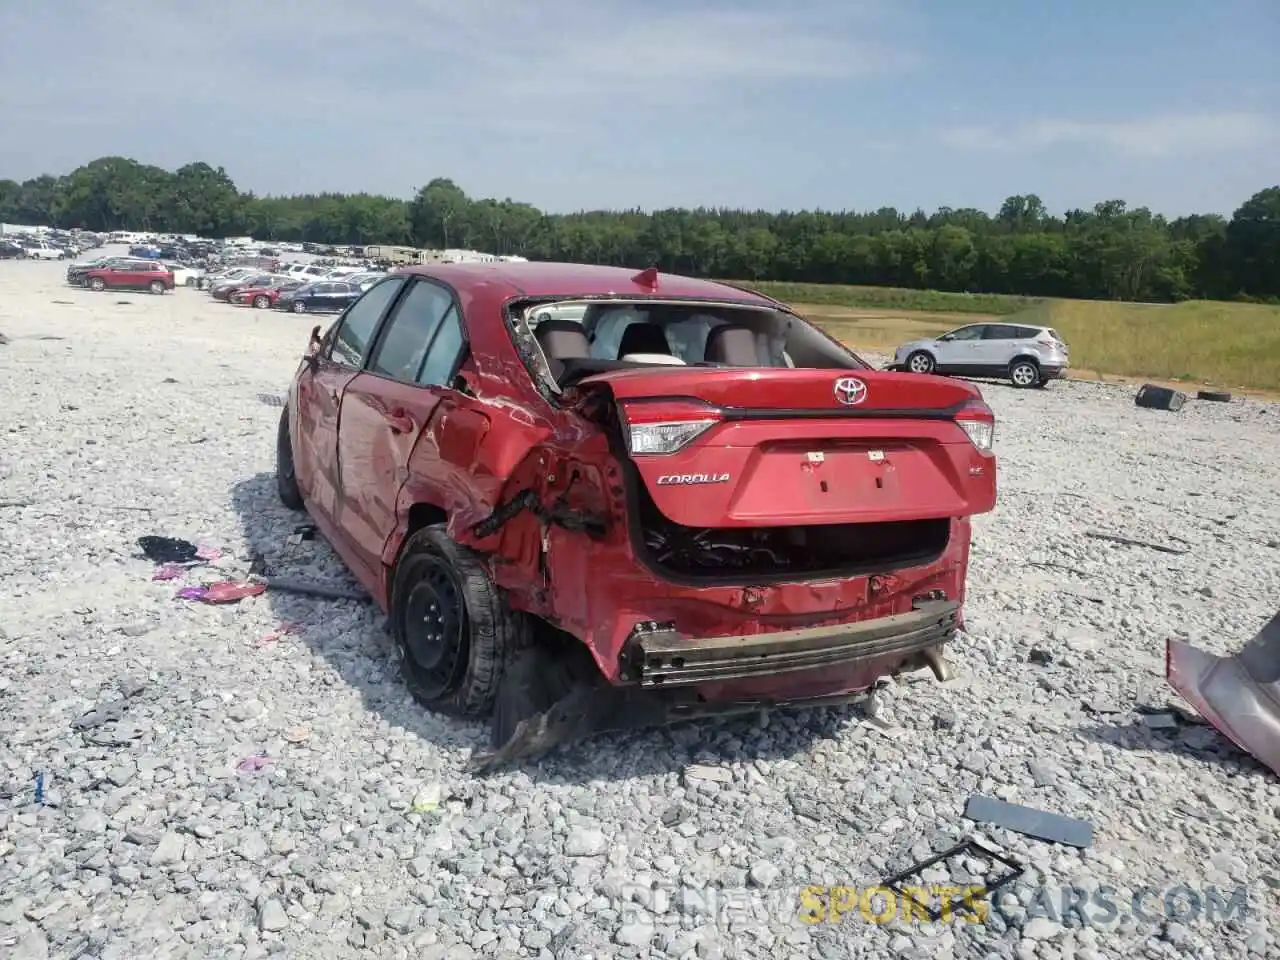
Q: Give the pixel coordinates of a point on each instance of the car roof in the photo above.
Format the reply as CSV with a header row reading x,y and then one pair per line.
x,y
544,279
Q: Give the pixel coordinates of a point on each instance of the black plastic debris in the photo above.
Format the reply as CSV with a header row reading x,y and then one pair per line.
x,y
271,399
313,588
167,549
307,531
969,848
1030,822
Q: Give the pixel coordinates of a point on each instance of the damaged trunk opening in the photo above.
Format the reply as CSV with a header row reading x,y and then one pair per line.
x,y
814,550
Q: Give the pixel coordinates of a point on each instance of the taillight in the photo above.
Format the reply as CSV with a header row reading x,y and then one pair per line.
x,y
979,424
664,426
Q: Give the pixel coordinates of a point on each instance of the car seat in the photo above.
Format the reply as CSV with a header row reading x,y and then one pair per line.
x,y
732,345
642,337
561,339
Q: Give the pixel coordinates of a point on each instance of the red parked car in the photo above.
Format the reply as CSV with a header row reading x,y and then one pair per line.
x,y
137,275
264,297
590,499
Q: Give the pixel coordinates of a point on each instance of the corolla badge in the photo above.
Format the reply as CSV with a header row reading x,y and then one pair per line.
x,y
683,479
850,391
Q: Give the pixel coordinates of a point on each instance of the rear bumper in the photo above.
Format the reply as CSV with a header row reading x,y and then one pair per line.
x,y
1053,371
661,658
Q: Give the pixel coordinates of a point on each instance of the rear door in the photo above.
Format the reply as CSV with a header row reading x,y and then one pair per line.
x,y
319,398
385,410
996,348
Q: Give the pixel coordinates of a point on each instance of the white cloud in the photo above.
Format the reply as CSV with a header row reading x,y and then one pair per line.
x,y
1169,135
493,64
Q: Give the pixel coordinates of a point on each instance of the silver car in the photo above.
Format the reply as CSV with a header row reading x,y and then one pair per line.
x,y
1029,356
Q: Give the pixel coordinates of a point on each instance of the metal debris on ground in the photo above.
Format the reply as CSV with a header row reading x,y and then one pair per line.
x,y
1130,542
1238,695
1030,822
970,848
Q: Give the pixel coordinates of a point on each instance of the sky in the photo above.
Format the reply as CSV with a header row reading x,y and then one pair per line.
x,y
587,104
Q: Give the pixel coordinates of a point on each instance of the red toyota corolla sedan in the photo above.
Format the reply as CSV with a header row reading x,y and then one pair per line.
x,y
591,498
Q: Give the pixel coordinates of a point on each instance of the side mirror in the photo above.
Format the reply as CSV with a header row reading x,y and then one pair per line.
x,y
945,338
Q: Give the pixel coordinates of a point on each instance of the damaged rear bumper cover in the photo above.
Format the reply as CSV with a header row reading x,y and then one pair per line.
x,y
658,657
1239,695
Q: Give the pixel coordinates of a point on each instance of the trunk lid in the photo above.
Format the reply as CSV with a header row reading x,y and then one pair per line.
x,y
757,447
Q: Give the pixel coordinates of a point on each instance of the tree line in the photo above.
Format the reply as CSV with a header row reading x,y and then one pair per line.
x,y
1107,252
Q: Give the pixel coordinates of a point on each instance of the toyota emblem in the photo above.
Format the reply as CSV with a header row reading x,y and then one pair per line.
x,y
850,391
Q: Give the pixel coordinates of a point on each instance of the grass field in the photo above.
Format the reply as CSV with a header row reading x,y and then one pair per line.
x,y
1232,345
894,298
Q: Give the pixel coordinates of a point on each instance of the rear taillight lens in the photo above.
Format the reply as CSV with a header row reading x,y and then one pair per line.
x,y
979,425
662,427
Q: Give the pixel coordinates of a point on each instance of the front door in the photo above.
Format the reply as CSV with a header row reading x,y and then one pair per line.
x,y
315,431
958,350
385,410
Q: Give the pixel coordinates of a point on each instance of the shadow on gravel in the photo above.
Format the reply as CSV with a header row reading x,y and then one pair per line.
x,y
1197,743
354,639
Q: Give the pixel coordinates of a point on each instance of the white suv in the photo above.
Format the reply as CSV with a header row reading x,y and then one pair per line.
x,y
1028,356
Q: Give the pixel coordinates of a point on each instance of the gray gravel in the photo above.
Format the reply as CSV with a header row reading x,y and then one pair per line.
x,y
357,833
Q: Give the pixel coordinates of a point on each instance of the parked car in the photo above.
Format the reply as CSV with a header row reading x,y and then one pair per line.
x,y
140,275
184,274
365,280
306,272
40,250
265,296
690,500
325,296
1029,356
11,251
226,289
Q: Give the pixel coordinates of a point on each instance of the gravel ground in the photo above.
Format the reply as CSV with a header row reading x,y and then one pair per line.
x,y
362,835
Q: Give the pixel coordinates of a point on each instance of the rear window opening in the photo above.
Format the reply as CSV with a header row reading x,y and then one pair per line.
x,y
761,553
565,341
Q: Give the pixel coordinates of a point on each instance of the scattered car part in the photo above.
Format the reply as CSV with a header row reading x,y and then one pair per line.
x,y
313,588
1130,542
168,549
1154,397
1031,822
1214,396
969,848
1239,695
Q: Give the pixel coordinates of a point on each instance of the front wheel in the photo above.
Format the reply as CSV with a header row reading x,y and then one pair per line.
x,y
1024,374
299,307
261,302
286,472
452,626
157,286
920,362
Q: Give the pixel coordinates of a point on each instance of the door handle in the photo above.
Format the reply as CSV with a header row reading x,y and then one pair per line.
x,y
400,421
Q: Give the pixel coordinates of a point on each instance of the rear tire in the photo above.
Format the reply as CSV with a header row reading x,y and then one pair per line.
x,y
921,362
261,302
1024,374
286,472
452,626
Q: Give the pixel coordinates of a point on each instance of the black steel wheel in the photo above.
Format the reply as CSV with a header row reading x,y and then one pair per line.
x,y
452,626
286,472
